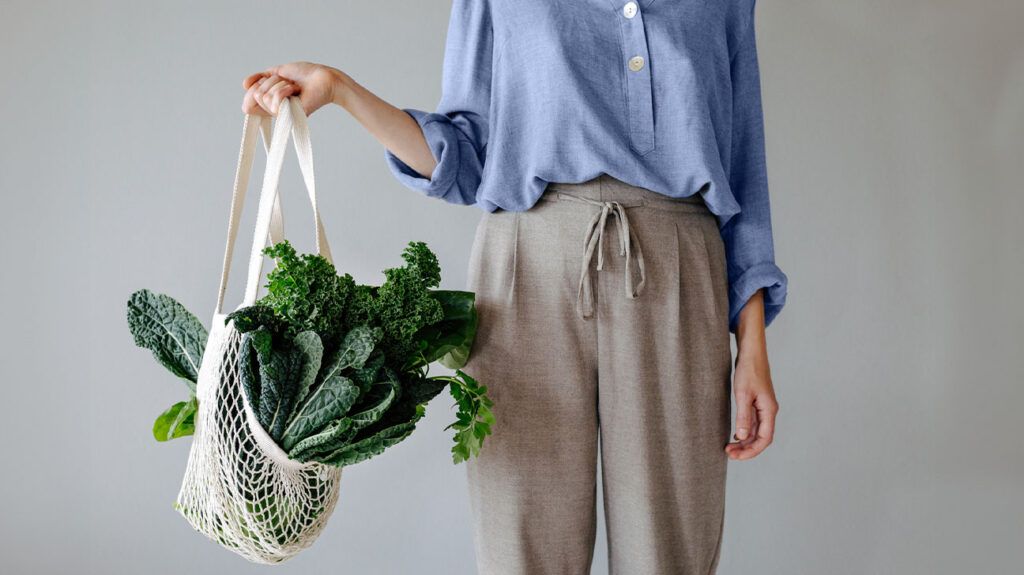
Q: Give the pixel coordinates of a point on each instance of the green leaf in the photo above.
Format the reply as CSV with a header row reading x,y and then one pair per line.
x,y
178,421
374,445
456,357
375,403
252,317
163,326
249,367
474,418
337,393
336,434
421,389
450,340
306,293
416,391
331,400
369,373
284,372
356,347
311,351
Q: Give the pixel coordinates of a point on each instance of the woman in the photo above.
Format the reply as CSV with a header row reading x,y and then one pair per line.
x,y
555,118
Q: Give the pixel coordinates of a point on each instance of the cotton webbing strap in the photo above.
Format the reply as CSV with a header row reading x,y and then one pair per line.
x,y
291,120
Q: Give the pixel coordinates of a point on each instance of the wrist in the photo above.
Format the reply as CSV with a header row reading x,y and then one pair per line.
x,y
752,355
752,362
341,87
751,344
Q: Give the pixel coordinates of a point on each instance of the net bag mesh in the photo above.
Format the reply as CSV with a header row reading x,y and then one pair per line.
x,y
240,489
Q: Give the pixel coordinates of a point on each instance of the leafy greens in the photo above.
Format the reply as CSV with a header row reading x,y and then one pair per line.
x,y
379,340
335,371
177,339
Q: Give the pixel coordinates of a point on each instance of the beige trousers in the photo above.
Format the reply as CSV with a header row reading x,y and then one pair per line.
x,y
568,355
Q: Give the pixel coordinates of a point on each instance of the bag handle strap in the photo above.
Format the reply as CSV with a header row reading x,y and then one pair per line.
x,y
291,120
276,217
304,152
253,126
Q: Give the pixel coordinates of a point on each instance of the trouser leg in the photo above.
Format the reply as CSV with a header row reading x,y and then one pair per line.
x,y
533,487
663,396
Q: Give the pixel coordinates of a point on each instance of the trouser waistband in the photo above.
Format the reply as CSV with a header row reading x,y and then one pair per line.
x,y
612,196
609,188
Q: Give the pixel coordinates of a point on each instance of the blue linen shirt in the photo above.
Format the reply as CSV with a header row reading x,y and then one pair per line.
x,y
661,94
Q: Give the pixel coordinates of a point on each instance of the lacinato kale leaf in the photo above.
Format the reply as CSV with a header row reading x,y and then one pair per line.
x,y
255,316
249,368
369,373
374,403
336,434
355,348
286,369
334,393
332,399
311,351
394,425
363,449
176,338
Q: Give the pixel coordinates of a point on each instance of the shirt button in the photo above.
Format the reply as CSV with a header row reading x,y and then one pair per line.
x,y
629,10
636,63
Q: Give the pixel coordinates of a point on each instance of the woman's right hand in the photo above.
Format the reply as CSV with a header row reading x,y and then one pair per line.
x,y
317,85
313,83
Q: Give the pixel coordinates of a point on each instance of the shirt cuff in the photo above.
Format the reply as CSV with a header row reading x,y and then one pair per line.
x,y
767,276
443,142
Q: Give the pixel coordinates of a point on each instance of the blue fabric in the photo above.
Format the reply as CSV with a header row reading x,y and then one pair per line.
x,y
537,91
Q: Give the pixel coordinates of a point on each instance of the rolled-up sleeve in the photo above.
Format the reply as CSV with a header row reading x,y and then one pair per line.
x,y
748,235
457,131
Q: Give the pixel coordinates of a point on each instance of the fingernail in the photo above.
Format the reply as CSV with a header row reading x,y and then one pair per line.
x,y
741,434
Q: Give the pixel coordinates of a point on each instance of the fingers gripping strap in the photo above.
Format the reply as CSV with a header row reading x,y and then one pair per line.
x,y
291,119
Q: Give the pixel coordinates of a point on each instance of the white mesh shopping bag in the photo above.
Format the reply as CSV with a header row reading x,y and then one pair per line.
x,y
240,489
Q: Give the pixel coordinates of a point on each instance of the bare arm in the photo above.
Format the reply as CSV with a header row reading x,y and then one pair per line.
x,y
318,85
756,405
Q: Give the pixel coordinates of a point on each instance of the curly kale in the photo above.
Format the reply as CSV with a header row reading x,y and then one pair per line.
x,y
304,293
404,303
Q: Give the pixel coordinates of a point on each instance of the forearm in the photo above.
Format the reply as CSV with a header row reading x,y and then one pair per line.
x,y
750,330
756,406
390,125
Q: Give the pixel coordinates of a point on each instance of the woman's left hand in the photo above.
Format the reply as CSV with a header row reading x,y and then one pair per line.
x,y
755,409
756,405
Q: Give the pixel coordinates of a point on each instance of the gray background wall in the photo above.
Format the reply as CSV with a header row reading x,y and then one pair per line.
x,y
896,135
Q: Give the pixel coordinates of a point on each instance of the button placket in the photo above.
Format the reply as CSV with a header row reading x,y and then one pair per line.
x,y
640,97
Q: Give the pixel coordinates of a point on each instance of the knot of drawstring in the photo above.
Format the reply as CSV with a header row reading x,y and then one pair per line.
x,y
594,241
